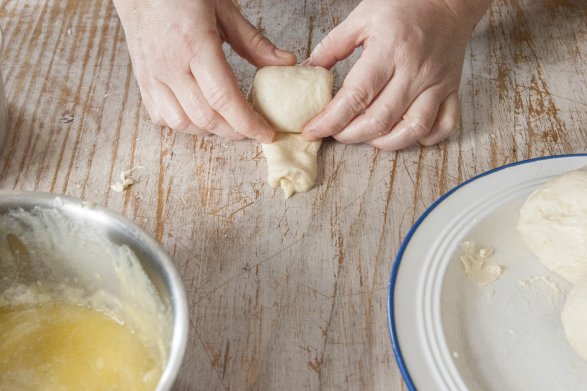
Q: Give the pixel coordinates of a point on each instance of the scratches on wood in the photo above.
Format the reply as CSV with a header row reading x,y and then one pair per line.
x,y
310,33
283,294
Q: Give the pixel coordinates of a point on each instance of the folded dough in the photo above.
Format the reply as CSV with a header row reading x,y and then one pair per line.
x,y
292,163
288,97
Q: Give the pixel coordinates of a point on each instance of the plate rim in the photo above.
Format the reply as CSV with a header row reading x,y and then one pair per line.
x,y
395,345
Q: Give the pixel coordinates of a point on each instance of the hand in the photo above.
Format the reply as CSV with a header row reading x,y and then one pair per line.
x,y
404,87
184,78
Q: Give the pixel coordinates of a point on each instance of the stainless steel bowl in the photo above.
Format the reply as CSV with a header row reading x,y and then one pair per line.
x,y
3,102
87,231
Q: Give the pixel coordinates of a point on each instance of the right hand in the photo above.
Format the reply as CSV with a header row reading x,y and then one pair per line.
x,y
185,81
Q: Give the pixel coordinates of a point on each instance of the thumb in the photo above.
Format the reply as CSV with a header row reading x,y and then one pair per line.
x,y
337,45
250,43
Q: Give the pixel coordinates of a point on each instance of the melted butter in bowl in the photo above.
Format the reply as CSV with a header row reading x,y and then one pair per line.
x,y
63,346
87,300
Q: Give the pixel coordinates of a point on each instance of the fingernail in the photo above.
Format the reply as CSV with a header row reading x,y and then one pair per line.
x,y
306,62
281,53
265,139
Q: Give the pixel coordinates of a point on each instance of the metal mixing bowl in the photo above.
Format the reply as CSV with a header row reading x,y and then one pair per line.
x,y
85,234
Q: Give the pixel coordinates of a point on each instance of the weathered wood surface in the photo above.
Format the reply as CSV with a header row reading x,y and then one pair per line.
x,y
283,295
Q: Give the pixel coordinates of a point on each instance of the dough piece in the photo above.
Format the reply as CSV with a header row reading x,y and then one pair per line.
x,y
292,163
475,263
288,97
574,318
553,224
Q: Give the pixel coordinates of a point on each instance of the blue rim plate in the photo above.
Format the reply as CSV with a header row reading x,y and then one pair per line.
x,y
400,347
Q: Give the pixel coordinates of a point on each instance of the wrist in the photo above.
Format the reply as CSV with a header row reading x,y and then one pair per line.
x,y
470,11
123,7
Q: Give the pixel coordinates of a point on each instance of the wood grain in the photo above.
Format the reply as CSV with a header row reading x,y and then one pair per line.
x,y
283,295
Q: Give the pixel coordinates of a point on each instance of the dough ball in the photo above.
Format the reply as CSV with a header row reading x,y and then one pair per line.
x,y
291,163
574,318
289,96
553,224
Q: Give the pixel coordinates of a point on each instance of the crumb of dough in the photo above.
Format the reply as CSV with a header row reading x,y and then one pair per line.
x,y
475,265
126,180
485,252
554,287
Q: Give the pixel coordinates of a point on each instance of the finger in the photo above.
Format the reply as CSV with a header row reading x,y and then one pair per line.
x,y
250,43
220,88
363,83
198,110
415,124
172,112
379,118
151,108
168,107
447,121
337,45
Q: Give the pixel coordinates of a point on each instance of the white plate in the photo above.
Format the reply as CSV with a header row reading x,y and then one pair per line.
x,y
447,332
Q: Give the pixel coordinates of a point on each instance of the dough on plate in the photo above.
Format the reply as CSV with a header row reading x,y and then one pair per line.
x,y
288,97
574,317
553,224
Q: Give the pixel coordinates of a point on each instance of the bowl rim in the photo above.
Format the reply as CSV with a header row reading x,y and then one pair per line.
x,y
176,286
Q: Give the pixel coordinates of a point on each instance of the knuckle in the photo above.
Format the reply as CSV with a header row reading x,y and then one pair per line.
x,y
205,37
417,127
259,41
154,115
179,123
357,98
187,38
205,119
219,99
449,124
323,45
379,127
205,43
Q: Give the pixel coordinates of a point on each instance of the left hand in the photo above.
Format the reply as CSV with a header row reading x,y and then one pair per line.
x,y
404,87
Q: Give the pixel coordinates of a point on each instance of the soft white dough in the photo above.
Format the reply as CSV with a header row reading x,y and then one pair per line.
x,y
574,317
292,163
553,224
289,97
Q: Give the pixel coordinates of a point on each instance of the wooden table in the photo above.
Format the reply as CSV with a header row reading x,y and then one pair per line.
x,y
282,295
